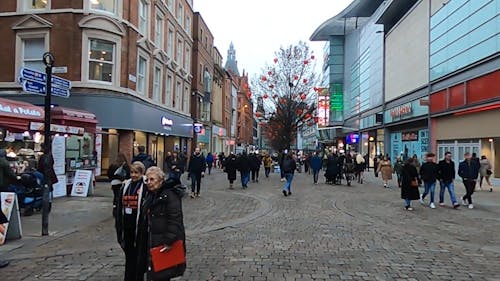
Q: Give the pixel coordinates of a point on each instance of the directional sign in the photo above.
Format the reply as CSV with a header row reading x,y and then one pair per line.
x,y
33,75
34,82
63,93
61,83
38,88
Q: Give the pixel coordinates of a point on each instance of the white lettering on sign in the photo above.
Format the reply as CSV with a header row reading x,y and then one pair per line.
x,y
401,110
20,110
166,122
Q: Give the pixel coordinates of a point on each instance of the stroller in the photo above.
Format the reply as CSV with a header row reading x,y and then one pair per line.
x,y
29,190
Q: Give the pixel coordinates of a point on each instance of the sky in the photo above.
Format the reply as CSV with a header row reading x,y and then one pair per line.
x,y
258,28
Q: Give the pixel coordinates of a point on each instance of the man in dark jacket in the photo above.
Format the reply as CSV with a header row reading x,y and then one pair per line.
x,y
244,168
6,173
196,170
446,178
289,167
429,172
255,163
146,159
316,163
468,170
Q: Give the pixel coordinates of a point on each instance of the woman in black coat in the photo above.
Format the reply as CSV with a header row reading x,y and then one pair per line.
x,y
230,167
409,184
332,169
161,223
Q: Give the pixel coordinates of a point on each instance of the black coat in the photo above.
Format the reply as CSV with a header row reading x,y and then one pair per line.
x,y
446,171
332,166
197,164
161,223
429,172
244,163
176,164
112,169
231,166
409,173
469,169
255,162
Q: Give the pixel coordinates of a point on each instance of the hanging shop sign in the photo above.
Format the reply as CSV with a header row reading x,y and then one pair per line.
x,y
38,126
409,136
197,127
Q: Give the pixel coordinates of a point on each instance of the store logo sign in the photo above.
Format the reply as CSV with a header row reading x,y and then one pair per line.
x,y
198,128
401,111
167,123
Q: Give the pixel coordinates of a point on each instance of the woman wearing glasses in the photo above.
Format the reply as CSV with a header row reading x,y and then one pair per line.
x,y
161,223
128,212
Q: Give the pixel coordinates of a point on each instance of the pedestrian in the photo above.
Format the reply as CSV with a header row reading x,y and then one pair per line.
x,y
196,169
367,162
268,163
118,171
429,173
146,159
417,165
289,167
255,164
485,172
332,169
222,159
316,163
360,167
161,223
409,184
398,169
375,165
307,163
230,167
244,168
446,178
281,157
167,163
468,170
130,199
210,162
385,168
176,166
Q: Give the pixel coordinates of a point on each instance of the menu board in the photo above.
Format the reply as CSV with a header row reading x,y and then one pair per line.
x,y
11,229
81,183
59,154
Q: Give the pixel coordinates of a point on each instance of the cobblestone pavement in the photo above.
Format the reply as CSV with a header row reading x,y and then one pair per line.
x,y
321,232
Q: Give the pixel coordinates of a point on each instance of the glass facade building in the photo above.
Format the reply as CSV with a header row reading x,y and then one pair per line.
x,y
463,32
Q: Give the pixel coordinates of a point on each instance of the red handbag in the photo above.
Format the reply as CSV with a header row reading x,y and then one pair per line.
x,y
168,259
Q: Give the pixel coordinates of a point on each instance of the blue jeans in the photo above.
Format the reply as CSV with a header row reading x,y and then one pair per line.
x,y
245,178
429,186
407,202
451,191
288,184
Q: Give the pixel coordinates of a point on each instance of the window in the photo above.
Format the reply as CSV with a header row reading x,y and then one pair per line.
x,y
178,92
170,5
157,83
101,60
33,49
187,58
142,66
180,14
159,32
35,4
168,92
180,48
185,98
187,25
103,5
170,43
143,17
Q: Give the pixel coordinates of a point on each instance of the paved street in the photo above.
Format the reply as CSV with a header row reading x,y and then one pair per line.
x,y
319,233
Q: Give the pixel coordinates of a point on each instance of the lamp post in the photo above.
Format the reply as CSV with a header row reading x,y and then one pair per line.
x,y
48,60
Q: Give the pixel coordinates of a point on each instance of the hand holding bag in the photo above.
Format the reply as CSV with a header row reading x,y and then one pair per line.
x,y
414,183
164,262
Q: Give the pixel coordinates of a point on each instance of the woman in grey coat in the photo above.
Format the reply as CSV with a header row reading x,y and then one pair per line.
x,y
485,172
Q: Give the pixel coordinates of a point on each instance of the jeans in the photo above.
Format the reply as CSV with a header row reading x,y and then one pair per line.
x,y
407,202
245,178
429,186
288,184
315,176
195,181
470,185
451,190
267,171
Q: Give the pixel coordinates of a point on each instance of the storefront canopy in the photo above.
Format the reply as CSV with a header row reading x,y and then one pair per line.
x,y
16,116
73,117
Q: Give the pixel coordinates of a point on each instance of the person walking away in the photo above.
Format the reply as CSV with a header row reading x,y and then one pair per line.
x,y
196,169
281,157
176,166
468,170
289,167
409,184
118,172
417,165
446,178
316,164
360,167
210,162
161,223
375,165
146,159
332,169
230,167
367,162
485,172
385,168
429,172
268,163
255,164
307,163
130,199
244,168
398,169
167,163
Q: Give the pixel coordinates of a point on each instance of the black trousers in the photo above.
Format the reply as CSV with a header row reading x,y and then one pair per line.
x,y
195,181
131,273
255,175
315,176
116,196
470,185
267,171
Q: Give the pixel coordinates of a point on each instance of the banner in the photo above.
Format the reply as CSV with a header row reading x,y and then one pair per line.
x,y
98,149
81,183
59,187
59,154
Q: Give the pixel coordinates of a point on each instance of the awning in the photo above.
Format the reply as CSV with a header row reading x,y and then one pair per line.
x,y
16,116
74,117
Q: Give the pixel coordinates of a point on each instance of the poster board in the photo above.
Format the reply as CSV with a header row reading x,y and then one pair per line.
x,y
59,154
10,208
98,149
81,183
59,187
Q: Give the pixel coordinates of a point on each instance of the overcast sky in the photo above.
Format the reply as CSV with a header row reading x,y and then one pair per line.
x,y
259,27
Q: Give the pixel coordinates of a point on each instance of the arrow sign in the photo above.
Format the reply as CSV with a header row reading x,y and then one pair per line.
x,y
61,83
37,76
38,88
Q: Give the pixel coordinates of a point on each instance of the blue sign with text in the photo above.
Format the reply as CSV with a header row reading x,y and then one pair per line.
x,y
33,82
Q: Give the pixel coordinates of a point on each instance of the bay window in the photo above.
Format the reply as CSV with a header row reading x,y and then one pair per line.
x,y
101,60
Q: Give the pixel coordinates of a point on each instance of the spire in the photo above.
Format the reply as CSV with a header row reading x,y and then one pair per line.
x,y
231,62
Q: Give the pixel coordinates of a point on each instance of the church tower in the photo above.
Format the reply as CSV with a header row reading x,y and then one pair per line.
x,y
231,63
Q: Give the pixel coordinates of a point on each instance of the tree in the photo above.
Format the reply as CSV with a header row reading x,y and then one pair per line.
x,y
284,93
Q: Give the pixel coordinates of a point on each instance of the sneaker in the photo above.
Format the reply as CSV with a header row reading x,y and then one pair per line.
x,y
198,195
432,206
456,205
282,180
491,189
284,193
385,185
464,202
442,204
422,200
471,206
409,208
192,195
289,193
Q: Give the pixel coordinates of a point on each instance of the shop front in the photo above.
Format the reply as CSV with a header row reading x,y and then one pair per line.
x,y
218,136
408,131
203,138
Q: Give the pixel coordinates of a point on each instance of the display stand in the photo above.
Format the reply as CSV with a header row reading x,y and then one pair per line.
x,y
10,208
81,183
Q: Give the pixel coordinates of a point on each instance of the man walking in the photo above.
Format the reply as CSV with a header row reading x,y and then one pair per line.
x,y
316,163
446,178
146,159
468,170
196,170
255,163
244,168
429,172
289,167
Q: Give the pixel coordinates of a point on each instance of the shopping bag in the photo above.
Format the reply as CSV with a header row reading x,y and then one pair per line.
x,y
168,259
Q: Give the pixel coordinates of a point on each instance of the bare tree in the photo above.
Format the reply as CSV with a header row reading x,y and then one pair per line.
x,y
285,96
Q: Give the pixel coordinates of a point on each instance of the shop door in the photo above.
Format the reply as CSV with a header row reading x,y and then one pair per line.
x,y
458,149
